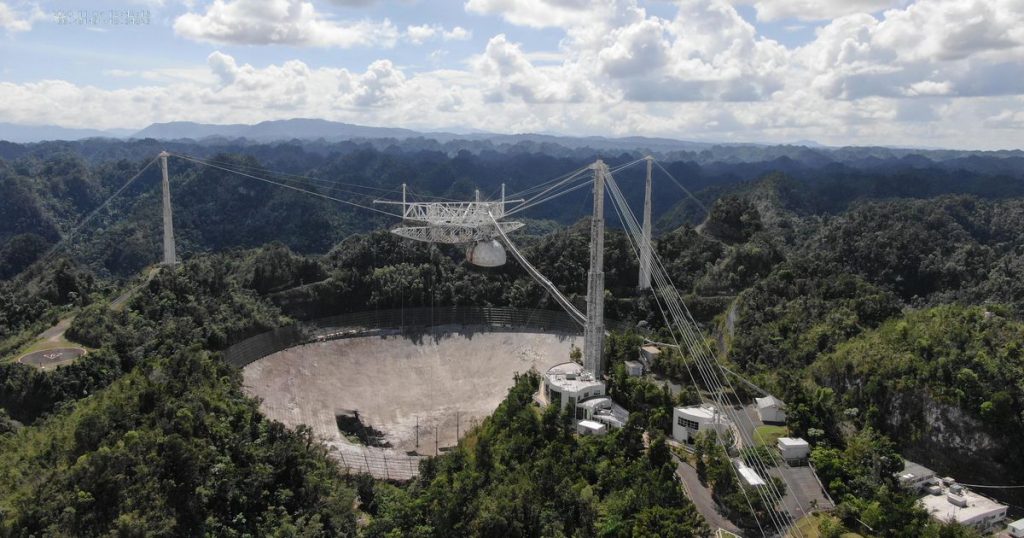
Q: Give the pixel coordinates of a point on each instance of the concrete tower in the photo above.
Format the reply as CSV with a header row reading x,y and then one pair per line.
x,y
170,258
645,244
593,337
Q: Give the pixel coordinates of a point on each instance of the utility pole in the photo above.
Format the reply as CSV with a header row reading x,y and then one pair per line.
x,y
417,431
645,245
170,258
593,338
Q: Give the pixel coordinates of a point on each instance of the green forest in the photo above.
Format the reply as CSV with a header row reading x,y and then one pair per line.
x,y
884,306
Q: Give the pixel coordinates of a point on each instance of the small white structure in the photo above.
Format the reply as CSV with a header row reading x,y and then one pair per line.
x,y
793,449
1016,529
589,427
965,507
687,422
916,477
634,368
648,354
771,409
749,477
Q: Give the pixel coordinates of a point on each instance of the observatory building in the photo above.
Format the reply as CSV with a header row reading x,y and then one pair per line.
x,y
570,386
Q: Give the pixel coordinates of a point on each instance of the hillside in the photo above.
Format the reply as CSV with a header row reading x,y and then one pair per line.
x,y
862,307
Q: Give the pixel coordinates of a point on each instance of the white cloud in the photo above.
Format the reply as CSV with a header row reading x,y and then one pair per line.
x,y
457,33
928,87
968,48
287,22
937,72
419,34
554,13
507,73
12,20
813,10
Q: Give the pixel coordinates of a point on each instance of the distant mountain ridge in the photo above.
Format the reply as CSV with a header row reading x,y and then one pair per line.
x,y
320,132
266,131
34,133
332,131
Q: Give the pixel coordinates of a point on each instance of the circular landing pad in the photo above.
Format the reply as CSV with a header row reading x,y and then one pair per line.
x,y
51,358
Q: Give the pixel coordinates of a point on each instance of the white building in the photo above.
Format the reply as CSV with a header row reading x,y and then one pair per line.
x,y
916,477
749,476
793,449
957,503
687,422
589,427
1016,529
634,368
569,385
771,409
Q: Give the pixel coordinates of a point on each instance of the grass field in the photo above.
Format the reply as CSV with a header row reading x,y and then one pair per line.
x,y
808,527
768,435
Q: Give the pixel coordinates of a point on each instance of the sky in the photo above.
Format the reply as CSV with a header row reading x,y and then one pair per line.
x,y
925,73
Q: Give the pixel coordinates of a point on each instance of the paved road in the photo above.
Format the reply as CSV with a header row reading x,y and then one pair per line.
x,y
802,491
119,303
701,498
56,333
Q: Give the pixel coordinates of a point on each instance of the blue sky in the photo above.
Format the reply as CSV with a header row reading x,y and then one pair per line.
x,y
937,73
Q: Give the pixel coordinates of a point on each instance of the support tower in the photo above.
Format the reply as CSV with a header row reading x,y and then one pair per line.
x,y
645,245
170,258
593,334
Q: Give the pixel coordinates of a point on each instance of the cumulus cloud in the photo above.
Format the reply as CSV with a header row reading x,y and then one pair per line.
x,y
287,22
457,33
508,73
936,72
976,48
419,34
813,10
553,13
12,20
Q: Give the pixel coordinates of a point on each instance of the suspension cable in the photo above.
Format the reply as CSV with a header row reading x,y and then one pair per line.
x,y
700,350
64,239
287,186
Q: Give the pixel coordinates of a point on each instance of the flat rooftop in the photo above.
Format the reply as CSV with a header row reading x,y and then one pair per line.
x,y
749,475
571,377
916,469
706,411
792,442
978,507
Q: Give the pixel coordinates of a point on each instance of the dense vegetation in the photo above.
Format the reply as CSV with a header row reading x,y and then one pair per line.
x,y
880,304
524,473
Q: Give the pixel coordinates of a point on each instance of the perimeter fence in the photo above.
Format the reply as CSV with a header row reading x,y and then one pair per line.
x,y
399,321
